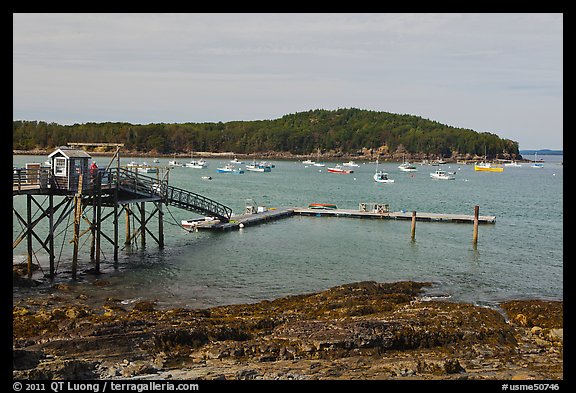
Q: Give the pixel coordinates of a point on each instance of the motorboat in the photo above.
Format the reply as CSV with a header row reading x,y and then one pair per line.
x,y
229,168
339,169
261,167
441,174
487,167
381,176
141,168
407,167
351,163
197,164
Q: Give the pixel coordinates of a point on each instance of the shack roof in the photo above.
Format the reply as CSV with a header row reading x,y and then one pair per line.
x,y
70,153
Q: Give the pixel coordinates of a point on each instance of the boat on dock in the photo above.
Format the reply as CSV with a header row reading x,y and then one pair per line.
x,y
322,206
188,224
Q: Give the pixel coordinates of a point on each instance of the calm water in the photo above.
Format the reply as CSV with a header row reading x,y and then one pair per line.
x,y
520,256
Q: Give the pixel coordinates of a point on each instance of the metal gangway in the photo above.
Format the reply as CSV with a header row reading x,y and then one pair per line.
x,y
131,181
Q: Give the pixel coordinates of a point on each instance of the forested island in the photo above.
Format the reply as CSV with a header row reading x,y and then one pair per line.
x,y
351,131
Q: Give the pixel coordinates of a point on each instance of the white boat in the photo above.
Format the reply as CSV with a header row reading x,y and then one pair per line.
x,y
141,168
319,164
235,161
381,176
196,221
261,167
351,163
198,164
156,161
308,162
229,168
440,174
174,162
536,164
512,163
407,167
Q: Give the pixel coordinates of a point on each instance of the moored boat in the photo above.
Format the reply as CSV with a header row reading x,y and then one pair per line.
x,y
229,168
440,174
339,169
381,176
487,167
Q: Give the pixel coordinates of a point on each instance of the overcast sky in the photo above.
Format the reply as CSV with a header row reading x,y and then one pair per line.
x,y
499,73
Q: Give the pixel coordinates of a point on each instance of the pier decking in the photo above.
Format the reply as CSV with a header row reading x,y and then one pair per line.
x,y
240,221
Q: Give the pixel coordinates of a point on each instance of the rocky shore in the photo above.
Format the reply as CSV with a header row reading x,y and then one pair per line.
x,y
364,155
366,330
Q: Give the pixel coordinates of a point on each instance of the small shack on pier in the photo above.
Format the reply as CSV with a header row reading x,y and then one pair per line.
x,y
67,164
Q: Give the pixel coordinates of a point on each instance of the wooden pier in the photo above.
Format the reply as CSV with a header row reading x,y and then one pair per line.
x,y
80,187
244,220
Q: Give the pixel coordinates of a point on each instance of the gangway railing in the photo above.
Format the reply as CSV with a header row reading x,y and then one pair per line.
x,y
146,185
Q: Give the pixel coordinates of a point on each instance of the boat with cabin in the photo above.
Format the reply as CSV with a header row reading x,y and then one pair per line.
x,y
381,176
487,167
229,168
339,169
441,174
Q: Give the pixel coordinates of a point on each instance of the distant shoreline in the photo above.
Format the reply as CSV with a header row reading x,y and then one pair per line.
x,y
395,157
546,152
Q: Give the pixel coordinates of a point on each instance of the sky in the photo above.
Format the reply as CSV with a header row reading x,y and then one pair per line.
x,y
489,72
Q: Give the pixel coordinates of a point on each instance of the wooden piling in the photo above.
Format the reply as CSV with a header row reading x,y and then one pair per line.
x,y
160,225
127,209
475,234
77,217
413,230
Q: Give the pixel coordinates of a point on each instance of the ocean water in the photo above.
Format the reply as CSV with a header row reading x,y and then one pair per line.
x,y
518,257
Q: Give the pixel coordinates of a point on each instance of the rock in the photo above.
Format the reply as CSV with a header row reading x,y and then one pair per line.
x,y
246,374
452,366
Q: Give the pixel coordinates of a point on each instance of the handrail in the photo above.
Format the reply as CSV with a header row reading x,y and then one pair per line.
x,y
132,181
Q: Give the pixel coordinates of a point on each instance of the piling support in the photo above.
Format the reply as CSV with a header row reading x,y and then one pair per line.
x,y
127,209
413,230
77,217
143,223
160,225
98,221
475,234
51,234
29,232
115,224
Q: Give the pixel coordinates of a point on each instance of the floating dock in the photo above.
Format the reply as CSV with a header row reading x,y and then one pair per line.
x,y
244,220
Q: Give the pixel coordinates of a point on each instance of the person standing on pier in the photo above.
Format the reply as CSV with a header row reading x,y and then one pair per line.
x,y
93,171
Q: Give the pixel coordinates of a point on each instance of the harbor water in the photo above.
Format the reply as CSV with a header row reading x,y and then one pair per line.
x,y
518,257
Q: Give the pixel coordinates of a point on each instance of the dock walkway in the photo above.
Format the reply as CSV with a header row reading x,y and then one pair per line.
x,y
243,220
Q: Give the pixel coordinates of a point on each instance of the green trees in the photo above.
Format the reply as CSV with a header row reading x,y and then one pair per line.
x,y
342,130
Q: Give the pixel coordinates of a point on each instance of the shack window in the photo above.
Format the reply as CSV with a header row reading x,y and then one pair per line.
x,y
60,166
